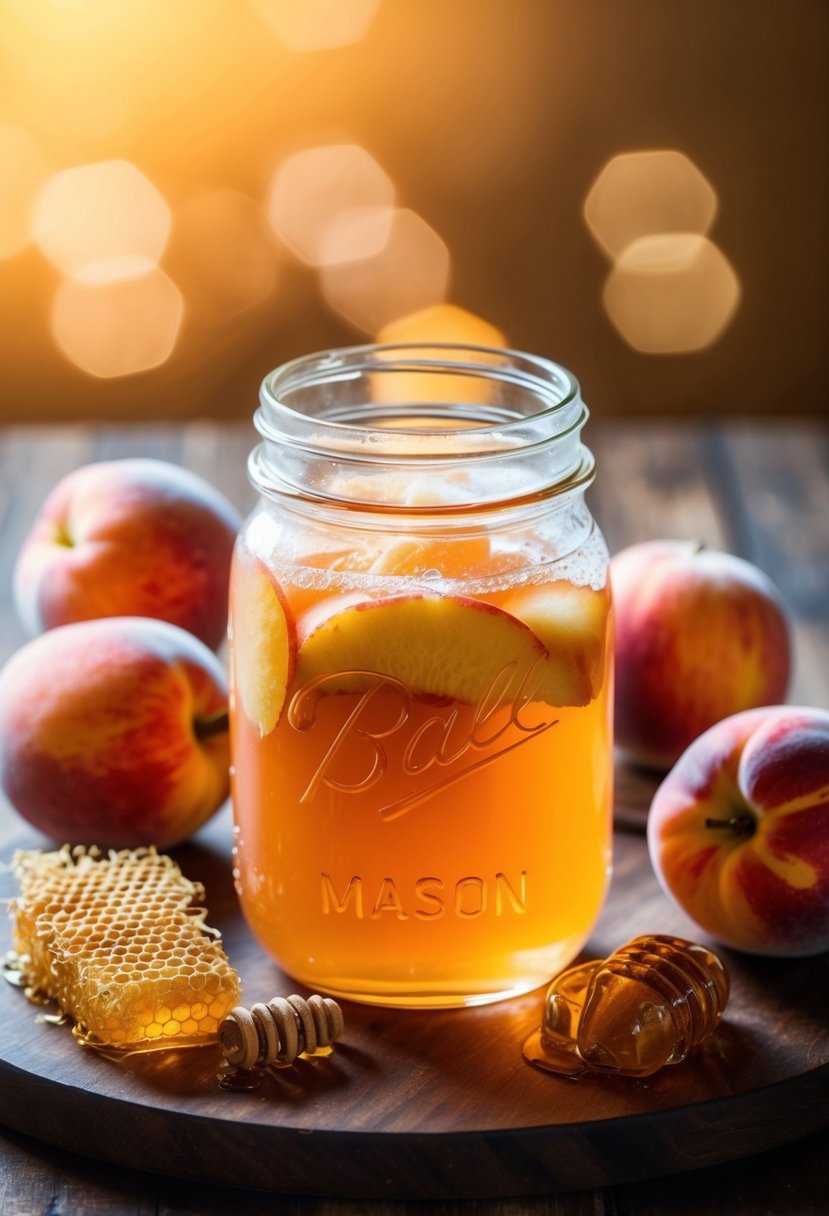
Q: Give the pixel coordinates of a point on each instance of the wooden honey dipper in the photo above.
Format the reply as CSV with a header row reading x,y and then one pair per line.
x,y
278,1032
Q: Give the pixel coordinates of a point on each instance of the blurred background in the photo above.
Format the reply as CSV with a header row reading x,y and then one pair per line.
x,y
194,191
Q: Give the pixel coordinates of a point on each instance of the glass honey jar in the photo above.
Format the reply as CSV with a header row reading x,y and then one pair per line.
x,y
421,669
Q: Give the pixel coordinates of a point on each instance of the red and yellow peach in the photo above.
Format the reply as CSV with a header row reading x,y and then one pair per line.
x,y
114,732
131,537
738,831
700,635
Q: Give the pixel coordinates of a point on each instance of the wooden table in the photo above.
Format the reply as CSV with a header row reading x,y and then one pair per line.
x,y
760,491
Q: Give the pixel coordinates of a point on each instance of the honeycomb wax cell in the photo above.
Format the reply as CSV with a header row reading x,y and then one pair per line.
x,y
119,944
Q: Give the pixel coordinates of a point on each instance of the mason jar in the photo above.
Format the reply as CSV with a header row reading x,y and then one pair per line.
x,y
420,645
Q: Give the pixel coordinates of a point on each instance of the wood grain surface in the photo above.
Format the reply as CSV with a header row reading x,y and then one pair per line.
x,y
433,1104
442,1104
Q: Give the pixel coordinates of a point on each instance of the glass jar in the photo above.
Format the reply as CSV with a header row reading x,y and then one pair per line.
x,y
420,648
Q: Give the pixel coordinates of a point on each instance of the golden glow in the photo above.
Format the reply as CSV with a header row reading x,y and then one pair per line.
x,y
409,273
331,204
222,254
638,194
22,170
267,177
77,20
117,328
317,25
671,292
93,74
101,222
442,323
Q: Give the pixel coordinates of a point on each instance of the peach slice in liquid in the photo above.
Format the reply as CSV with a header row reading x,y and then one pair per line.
x,y
444,646
571,622
451,558
263,643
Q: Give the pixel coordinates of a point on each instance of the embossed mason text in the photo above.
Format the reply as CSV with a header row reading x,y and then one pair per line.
x,y
427,898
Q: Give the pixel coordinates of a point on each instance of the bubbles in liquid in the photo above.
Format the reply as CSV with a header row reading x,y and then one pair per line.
x,y
528,565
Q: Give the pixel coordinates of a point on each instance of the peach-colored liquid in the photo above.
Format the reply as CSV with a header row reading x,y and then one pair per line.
x,y
417,851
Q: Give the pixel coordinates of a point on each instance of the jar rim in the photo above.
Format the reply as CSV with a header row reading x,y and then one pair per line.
x,y
333,429
539,376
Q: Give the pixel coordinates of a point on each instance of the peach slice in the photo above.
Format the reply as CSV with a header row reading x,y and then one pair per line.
x,y
571,622
263,641
359,558
444,646
452,558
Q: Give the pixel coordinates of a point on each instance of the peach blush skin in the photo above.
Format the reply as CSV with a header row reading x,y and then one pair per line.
x,y
739,831
700,635
99,733
129,538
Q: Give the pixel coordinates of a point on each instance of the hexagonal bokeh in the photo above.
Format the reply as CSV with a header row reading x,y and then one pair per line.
x,y
442,323
671,292
331,204
101,222
317,25
22,170
409,273
439,323
638,194
120,327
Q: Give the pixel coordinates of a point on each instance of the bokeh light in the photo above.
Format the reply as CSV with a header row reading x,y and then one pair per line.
x,y
331,204
442,323
101,222
222,253
22,170
638,194
277,171
119,327
409,273
317,25
356,233
671,292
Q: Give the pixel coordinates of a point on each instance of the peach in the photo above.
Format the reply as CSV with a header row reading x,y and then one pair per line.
x,y
129,537
700,635
114,732
450,557
572,624
445,646
262,642
738,831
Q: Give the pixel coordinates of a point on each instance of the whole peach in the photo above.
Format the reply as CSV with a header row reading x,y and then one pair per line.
x,y
132,537
114,732
738,831
700,635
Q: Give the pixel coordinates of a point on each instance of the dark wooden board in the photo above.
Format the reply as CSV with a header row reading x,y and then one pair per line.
x,y
432,1104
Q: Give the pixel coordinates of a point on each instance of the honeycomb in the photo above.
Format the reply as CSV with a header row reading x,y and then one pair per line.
x,y
118,942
